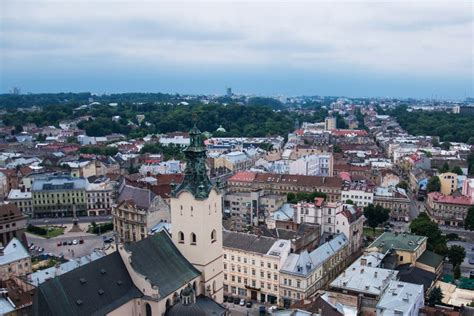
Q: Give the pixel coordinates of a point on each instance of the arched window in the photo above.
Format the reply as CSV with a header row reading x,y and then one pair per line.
x,y
181,237
213,236
193,238
148,310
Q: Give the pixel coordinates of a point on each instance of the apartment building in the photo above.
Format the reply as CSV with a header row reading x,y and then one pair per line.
x,y
12,223
334,218
395,199
245,206
284,183
14,260
137,212
303,274
252,265
100,197
59,196
313,165
449,182
359,193
448,209
22,200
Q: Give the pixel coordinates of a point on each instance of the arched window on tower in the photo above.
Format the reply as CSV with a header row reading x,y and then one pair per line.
x,y
148,310
181,237
193,238
213,236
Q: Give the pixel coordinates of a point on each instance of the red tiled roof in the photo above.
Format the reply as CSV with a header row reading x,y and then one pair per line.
x,y
449,199
318,201
243,176
346,132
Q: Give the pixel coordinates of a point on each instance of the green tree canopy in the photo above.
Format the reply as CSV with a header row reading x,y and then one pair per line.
x,y
469,220
376,215
436,296
434,184
424,226
457,170
403,185
444,168
456,254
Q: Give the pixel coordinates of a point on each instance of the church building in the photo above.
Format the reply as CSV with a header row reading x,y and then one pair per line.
x,y
160,275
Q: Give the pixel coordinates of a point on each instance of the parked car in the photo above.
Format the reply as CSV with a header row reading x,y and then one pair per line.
x,y
81,241
471,260
230,299
69,242
262,310
108,240
249,304
75,242
40,249
59,243
236,300
242,302
471,274
65,243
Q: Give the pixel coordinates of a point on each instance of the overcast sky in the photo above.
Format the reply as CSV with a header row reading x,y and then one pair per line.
x,y
351,48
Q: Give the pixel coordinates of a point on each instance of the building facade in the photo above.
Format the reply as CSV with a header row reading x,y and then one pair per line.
x,y
12,223
447,209
252,264
59,196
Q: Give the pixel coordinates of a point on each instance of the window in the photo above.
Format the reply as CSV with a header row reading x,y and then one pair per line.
x,y
193,239
213,236
181,237
401,258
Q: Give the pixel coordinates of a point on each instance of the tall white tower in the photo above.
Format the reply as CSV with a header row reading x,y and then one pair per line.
x,y
196,219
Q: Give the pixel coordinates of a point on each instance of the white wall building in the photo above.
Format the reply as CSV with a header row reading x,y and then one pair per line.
x,y
401,298
360,193
313,165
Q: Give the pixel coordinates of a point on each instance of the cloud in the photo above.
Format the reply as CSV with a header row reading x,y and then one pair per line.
x,y
400,38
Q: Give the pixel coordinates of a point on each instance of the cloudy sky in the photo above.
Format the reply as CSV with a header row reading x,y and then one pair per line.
x,y
352,48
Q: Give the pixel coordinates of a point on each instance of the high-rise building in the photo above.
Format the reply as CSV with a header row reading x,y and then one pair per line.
x,y
330,123
228,91
196,214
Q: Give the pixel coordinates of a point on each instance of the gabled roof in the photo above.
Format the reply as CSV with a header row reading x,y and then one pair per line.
x,y
14,251
142,198
247,242
158,259
96,288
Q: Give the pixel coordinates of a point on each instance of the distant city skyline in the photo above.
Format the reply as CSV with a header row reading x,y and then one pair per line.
x,y
353,49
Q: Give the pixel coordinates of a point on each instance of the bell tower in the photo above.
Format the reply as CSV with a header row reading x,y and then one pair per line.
x,y
196,219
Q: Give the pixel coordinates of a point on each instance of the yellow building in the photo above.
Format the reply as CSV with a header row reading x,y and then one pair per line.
x,y
449,182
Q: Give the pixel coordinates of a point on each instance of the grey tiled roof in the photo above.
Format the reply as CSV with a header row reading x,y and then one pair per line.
x,y
158,259
78,292
141,197
247,242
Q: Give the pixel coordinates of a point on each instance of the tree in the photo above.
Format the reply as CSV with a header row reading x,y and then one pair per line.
x,y
423,226
337,149
469,220
444,168
456,254
376,215
445,145
434,184
457,170
403,185
349,201
457,272
436,296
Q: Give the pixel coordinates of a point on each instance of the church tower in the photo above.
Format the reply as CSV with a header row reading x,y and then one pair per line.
x,y
196,219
